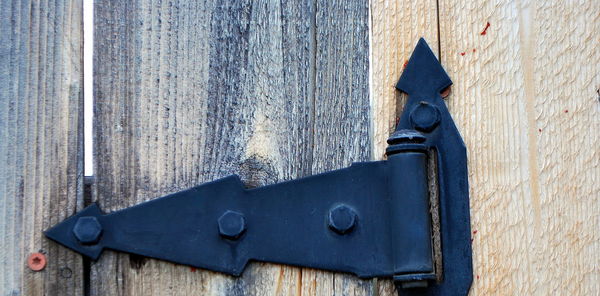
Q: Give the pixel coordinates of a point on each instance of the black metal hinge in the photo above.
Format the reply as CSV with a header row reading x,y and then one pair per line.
x,y
406,217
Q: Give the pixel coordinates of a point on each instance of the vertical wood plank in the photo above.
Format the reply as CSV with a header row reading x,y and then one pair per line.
x,y
525,98
187,93
342,123
190,92
396,26
41,175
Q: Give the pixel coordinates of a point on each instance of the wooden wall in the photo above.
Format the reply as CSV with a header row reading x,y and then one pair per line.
x,y
187,93
41,142
527,102
526,99
274,90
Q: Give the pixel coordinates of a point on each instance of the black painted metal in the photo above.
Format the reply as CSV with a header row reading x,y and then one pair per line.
x,y
372,219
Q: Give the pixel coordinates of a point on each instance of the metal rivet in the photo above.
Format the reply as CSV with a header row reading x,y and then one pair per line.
x,y
87,230
425,117
342,219
36,261
232,225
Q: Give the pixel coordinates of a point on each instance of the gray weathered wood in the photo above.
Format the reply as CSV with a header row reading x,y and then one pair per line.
x,y
41,175
342,122
187,93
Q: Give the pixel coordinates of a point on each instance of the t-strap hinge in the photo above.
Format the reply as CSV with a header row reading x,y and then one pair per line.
x,y
406,217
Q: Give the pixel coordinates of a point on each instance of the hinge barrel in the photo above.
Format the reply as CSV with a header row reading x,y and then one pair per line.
x,y
411,217
411,220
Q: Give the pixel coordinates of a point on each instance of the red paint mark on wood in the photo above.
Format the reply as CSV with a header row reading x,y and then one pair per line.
x,y
487,26
477,276
566,111
462,53
405,63
474,50
540,130
474,231
193,269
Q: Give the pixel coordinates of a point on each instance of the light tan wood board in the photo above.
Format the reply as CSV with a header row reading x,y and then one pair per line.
x,y
526,100
41,168
395,28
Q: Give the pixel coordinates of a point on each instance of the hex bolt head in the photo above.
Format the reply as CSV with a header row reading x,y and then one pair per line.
x,y
342,219
425,117
232,225
87,230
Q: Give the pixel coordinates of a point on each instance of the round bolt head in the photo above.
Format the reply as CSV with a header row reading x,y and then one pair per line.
x,y
36,261
87,230
425,117
232,225
342,219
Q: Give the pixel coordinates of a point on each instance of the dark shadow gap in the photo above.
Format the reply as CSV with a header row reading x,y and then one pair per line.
x,y
88,182
439,33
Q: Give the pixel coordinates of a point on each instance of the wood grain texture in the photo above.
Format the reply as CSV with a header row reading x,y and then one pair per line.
x,y
187,93
41,175
396,26
342,121
525,98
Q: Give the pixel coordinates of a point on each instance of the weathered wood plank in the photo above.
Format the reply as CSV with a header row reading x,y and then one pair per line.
x,y
342,122
41,175
187,93
525,98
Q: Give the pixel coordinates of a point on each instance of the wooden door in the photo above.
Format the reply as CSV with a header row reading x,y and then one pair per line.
x,y
190,91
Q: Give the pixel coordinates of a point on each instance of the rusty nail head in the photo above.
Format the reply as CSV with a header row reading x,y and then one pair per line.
x,y
36,261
